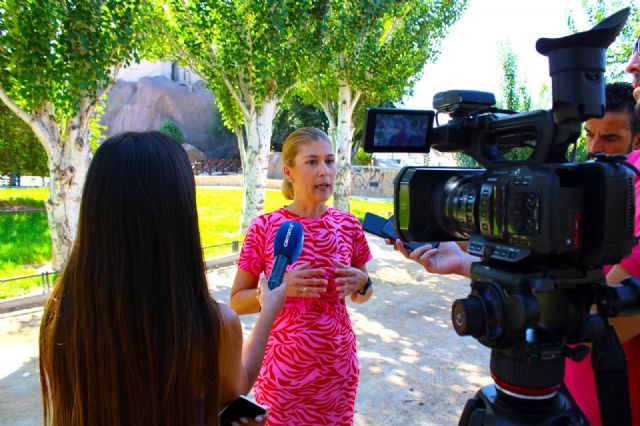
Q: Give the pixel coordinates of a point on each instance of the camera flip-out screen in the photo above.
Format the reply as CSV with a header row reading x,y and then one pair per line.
x,y
397,130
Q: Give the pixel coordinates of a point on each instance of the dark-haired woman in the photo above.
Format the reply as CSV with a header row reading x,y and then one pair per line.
x,y
130,335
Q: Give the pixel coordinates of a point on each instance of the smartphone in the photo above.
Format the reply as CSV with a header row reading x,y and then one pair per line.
x,y
382,227
241,407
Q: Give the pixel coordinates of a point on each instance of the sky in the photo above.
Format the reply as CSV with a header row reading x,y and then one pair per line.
x,y
470,55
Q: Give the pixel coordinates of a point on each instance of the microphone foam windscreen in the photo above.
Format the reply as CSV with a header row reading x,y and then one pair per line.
x,y
289,240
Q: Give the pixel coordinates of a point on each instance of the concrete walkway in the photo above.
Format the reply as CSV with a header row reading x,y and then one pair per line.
x,y
414,369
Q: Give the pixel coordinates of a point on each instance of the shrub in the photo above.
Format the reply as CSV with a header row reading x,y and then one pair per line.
x,y
170,128
362,158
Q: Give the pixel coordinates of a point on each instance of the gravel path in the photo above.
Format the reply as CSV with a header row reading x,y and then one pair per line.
x,y
414,369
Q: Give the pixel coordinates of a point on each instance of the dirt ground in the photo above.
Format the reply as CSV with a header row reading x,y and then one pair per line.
x,y
415,370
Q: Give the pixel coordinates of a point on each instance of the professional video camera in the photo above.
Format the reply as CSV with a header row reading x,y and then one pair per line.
x,y
544,227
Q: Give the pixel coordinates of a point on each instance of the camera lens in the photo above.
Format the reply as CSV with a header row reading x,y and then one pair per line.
x,y
455,206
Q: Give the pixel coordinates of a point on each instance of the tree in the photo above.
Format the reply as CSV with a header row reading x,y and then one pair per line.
x,y
515,94
20,151
251,54
57,59
619,52
372,51
293,116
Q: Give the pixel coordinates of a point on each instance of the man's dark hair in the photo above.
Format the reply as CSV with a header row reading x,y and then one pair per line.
x,y
619,98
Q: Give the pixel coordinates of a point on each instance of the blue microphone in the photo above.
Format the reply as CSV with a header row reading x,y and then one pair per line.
x,y
286,248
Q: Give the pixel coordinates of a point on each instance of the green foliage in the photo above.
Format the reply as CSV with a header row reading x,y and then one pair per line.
x,y
463,160
96,129
297,114
378,49
594,11
248,52
60,52
580,149
20,151
170,128
515,95
362,158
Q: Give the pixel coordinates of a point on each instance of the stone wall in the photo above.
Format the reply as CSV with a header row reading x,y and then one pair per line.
x,y
368,181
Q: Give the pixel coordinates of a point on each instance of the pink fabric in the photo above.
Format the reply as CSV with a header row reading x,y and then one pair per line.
x,y
579,376
631,263
581,384
310,372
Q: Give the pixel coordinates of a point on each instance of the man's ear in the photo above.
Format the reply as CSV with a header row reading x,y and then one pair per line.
x,y
635,144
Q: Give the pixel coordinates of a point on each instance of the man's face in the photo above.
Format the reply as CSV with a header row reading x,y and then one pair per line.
x,y
633,67
609,134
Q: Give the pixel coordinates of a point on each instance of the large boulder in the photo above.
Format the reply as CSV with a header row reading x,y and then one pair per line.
x,y
194,153
147,103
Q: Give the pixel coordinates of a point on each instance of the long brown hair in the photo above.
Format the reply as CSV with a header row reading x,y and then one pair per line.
x,y
130,334
290,147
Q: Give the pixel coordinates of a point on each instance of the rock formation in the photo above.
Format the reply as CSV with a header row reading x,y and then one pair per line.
x,y
149,102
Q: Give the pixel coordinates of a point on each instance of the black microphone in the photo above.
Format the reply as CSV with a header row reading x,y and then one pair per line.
x,y
286,248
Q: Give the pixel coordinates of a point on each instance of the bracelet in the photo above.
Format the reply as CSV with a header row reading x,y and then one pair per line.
x,y
366,287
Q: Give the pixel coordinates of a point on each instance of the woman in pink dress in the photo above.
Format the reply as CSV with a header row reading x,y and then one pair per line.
x,y
309,375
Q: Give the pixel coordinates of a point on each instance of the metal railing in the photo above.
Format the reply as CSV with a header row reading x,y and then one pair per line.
x,y
235,246
48,277
216,167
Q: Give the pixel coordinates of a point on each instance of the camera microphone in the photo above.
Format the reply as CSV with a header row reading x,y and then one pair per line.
x,y
287,246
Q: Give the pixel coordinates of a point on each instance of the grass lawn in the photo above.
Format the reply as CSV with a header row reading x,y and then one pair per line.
x,y
25,244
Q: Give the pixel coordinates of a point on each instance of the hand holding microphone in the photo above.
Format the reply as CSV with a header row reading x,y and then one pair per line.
x,y
287,247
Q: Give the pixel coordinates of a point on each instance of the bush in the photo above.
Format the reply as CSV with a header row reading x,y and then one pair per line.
x,y
362,158
170,128
20,150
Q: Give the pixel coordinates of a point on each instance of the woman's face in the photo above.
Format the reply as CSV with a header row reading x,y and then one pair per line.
x,y
313,173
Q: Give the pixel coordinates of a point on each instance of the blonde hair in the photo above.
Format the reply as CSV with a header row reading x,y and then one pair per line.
x,y
290,148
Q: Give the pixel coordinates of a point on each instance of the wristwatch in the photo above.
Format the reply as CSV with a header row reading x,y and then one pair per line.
x,y
366,287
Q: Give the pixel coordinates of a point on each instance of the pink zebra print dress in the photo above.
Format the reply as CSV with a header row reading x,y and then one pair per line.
x,y
310,372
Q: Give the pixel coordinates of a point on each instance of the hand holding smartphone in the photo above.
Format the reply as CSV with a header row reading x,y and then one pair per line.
x,y
378,225
241,407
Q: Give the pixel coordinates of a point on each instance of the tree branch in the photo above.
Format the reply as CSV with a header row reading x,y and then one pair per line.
x,y
40,130
354,102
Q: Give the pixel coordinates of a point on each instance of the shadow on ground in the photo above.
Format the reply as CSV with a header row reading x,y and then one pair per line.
x,y
414,369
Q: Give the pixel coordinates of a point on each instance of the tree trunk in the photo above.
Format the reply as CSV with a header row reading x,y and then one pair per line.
x,y
68,157
344,135
68,161
259,128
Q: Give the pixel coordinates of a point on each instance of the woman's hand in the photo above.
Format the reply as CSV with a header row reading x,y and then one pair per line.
x,y
271,301
305,282
349,279
245,421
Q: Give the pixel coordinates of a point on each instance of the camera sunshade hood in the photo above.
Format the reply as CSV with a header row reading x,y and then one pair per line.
x,y
600,36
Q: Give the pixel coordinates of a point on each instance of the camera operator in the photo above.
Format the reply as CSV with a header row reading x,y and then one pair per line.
x,y
617,132
633,68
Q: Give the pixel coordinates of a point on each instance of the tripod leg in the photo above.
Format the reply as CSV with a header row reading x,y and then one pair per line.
x,y
473,413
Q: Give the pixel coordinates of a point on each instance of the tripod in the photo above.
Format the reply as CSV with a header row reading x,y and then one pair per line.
x,y
526,319
501,404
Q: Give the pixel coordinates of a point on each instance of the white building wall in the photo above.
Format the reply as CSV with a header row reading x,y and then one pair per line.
x,y
136,71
